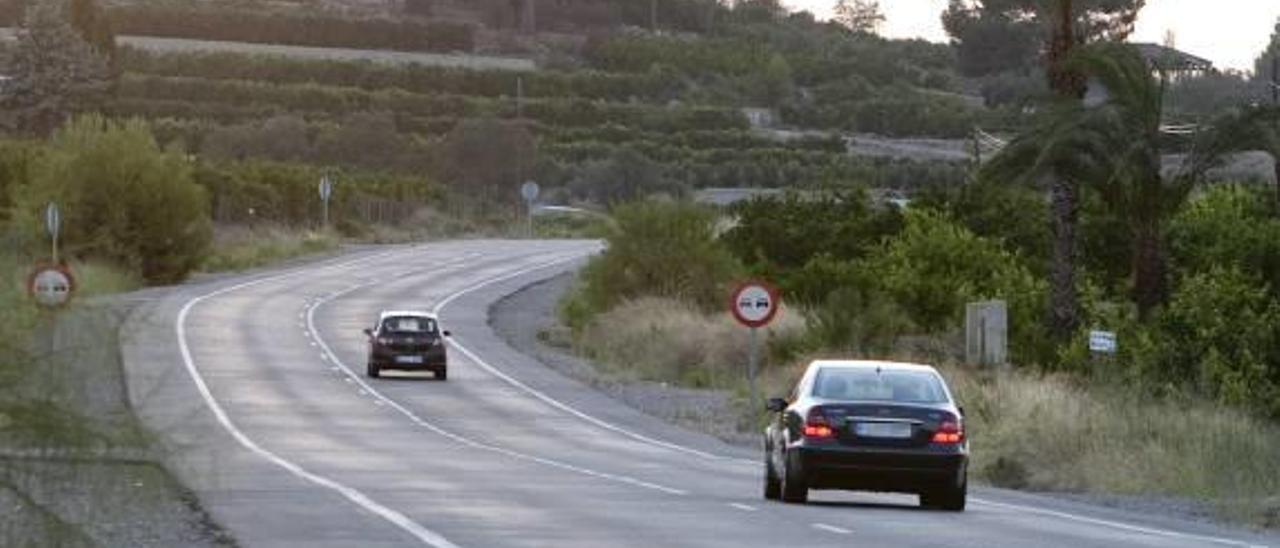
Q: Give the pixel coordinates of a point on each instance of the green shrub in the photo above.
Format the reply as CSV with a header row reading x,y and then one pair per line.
x,y
124,199
659,249
1222,329
934,267
1228,226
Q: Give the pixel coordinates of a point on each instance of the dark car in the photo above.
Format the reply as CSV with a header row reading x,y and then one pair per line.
x,y
868,426
407,341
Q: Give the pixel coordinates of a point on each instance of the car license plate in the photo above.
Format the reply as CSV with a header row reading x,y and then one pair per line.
x,y
409,359
892,430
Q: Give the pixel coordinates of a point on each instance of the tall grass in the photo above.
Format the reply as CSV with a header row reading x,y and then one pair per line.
x,y
1028,430
241,248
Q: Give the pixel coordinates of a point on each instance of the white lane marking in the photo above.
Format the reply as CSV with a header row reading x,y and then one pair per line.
x,y
427,536
832,529
1115,524
353,377
557,403
743,507
668,445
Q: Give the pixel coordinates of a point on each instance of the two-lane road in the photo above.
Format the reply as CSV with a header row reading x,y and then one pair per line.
x,y
256,386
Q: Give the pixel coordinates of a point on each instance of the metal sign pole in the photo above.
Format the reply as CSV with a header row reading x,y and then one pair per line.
x,y
753,362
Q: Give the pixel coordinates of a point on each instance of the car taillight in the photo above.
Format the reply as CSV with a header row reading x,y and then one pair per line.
x,y
816,425
949,432
384,341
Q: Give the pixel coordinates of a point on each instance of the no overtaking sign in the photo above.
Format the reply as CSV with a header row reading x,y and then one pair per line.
x,y
755,304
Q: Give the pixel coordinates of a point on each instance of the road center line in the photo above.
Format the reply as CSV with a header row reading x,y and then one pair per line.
x,y
353,377
426,536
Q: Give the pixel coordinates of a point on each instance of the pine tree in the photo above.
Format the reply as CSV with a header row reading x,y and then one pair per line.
x,y
859,15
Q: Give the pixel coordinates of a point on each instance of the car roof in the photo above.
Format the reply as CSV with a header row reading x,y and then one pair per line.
x,y
873,364
406,313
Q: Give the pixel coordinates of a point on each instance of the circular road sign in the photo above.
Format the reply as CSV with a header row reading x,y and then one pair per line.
x,y
326,188
755,304
51,286
530,191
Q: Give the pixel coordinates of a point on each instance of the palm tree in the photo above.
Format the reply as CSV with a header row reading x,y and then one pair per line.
x,y
1116,148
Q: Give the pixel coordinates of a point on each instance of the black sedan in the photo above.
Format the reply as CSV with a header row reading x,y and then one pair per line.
x,y
407,341
868,426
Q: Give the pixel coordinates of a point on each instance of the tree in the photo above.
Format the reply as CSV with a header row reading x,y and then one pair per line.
x,y
1117,149
859,15
94,27
627,176
53,73
124,198
488,158
1264,65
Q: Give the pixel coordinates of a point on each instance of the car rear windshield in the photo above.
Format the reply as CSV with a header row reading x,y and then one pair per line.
x,y
849,384
409,324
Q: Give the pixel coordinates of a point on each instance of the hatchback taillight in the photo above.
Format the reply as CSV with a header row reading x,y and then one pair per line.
x,y
816,425
949,432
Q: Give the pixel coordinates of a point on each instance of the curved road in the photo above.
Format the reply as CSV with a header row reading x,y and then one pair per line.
x,y
255,385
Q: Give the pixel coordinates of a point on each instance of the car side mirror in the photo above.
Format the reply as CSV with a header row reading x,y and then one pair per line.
x,y
960,408
447,334
368,332
776,405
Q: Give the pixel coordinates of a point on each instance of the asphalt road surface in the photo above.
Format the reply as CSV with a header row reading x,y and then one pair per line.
x,y
255,384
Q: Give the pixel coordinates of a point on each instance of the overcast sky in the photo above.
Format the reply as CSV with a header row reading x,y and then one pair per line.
x,y
1230,33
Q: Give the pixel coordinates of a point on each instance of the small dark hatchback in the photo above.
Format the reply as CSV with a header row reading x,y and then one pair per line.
x,y
407,341
868,426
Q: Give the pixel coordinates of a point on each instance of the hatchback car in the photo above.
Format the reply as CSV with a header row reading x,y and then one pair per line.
x,y
407,341
869,426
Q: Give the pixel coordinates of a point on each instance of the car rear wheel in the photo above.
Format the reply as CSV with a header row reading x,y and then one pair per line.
x,y
442,374
373,370
950,498
772,484
794,487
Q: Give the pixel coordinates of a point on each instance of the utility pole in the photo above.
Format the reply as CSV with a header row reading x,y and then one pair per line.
x,y
1275,103
653,15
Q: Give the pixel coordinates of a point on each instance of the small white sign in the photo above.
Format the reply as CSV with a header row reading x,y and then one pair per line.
x,y
326,188
1102,342
530,191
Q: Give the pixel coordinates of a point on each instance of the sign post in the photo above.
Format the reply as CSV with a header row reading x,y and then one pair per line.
x,y
754,305
53,225
530,191
326,192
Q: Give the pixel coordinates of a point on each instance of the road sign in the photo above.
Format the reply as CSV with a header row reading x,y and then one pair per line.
x,y
52,220
755,304
51,286
326,192
530,191
326,188
1102,342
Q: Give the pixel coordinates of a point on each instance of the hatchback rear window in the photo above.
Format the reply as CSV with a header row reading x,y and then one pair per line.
x,y
409,324
848,384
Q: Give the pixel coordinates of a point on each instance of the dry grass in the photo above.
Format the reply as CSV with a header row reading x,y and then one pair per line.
x,y
240,248
1029,431
666,340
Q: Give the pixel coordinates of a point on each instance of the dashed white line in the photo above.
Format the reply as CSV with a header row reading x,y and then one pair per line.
x,y
353,377
832,529
1115,524
743,507
426,536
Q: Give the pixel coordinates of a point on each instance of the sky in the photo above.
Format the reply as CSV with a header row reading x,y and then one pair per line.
x,y
1230,33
